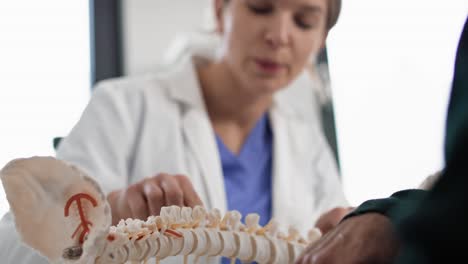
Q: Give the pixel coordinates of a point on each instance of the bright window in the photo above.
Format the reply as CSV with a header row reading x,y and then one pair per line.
x,y
45,75
391,64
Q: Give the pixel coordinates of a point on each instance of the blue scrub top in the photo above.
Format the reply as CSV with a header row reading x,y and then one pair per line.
x,y
247,176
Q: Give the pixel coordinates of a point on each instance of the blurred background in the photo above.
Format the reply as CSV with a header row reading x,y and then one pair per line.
x,y
390,65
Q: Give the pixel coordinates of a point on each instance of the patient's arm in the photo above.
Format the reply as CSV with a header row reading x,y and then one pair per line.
x,y
368,238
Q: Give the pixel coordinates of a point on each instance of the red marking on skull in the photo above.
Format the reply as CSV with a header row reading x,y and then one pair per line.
x,y
85,223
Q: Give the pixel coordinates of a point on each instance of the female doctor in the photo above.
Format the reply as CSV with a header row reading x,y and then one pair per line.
x,y
217,131
214,131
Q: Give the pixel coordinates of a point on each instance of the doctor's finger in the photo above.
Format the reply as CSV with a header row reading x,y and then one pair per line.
x,y
154,196
172,192
137,202
191,198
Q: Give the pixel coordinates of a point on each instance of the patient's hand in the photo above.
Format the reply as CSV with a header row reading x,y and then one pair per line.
x,y
332,218
146,197
368,238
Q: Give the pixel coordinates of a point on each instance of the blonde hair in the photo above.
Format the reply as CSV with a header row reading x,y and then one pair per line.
x,y
333,12
334,9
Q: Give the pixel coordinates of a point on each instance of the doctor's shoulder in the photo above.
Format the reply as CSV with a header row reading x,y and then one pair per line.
x,y
134,93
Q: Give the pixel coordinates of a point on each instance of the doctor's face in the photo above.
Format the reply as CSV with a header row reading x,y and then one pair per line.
x,y
267,43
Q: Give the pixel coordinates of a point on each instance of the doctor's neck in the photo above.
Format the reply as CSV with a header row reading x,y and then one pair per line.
x,y
227,100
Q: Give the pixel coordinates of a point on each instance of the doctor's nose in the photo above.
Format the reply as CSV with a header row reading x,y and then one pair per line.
x,y
278,32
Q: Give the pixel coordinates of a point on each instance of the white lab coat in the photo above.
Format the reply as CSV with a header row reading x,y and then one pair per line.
x,y
140,126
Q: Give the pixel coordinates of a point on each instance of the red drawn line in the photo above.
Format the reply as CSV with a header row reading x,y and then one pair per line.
x,y
110,237
85,223
173,233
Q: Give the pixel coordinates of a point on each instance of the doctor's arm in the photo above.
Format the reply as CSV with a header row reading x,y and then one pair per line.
x,y
102,145
100,142
147,196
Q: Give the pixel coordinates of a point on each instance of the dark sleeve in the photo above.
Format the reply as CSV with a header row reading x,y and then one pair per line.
x,y
433,225
401,199
436,230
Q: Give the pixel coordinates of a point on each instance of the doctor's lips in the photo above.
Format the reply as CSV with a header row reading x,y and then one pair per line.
x,y
268,66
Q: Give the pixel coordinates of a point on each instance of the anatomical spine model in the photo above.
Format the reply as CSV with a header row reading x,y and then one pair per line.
x,y
75,223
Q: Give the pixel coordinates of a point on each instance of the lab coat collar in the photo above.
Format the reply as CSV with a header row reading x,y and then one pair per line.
x,y
289,101
185,85
290,152
297,101
184,89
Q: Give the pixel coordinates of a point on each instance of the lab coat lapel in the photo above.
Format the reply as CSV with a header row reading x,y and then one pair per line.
x,y
290,155
198,132
201,140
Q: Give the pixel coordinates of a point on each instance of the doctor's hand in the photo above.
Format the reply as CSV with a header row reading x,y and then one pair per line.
x,y
368,238
147,196
332,218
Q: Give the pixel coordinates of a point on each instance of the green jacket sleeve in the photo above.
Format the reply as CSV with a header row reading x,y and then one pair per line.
x,y
433,225
401,199
434,231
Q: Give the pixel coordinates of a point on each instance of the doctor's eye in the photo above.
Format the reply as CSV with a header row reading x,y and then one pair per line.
x,y
306,22
303,24
260,9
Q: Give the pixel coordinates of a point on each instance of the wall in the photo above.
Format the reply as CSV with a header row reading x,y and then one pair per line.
x,y
150,26
391,65
45,75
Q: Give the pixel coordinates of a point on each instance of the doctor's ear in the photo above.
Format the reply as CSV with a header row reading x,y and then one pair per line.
x,y
219,7
324,40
